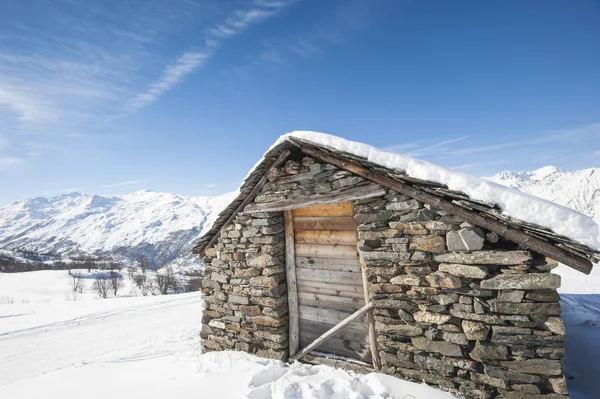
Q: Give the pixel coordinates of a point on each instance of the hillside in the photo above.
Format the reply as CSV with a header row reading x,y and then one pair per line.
x,y
161,226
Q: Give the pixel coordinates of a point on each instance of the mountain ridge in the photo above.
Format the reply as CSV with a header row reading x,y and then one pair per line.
x,y
165,226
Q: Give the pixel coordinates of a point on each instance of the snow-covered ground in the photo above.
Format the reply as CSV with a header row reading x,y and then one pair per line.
x,y
54,347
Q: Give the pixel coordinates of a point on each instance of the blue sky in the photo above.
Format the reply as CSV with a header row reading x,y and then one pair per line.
x,y
184,96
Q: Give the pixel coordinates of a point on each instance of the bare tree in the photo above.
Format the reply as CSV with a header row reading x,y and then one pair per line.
x,y
101,286
143,263
115,281
76,284
166,281
139,280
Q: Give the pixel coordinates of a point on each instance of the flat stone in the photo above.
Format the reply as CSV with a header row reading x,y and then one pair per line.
x,y
250,310
384,288
459,270
475,331
273,337
488,351
510,330
217,324
431,318
412,228
239,299
535,366
559,385
497,372
247,273
443,347
445,299
444,280
264,281
543,296
403,205
398,329
385,255
263,260
455,338
433,244
484,318
511,296
530,281
485,257
555,325
269,302
406,280
525,308
464,240
268,321
324,187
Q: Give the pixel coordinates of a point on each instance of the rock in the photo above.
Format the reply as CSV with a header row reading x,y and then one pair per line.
x,y
456,269
530,281
321,188
263,260
487,380
384,288
221,278
543,296
398,329
268,321
496,372
250,310
269,302
510,330
264,281
443,347
403,205
384,255
443,280
555,325
431,318
405,316
525,388
485,257
406,280
511,296
247,273
217,324
464,240
559,385
535,366
488,351
475,331
412,228
273,337
445,299
239,299
484,318
525,308
273,354
434,244
455,338
382,216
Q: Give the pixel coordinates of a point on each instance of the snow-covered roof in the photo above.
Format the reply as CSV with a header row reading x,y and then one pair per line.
x,y
509,203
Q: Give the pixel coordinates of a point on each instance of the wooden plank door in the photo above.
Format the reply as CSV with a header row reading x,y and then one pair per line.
x,y
329,279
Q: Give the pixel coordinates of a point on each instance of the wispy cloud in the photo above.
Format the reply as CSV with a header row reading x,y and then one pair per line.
x,y
173,74
192,60
7,162
125,183
436,146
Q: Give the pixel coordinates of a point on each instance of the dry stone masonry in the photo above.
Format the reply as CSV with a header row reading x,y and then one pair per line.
x,y
457,307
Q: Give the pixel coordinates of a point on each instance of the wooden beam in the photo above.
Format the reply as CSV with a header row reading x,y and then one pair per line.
x,y
332,237
292,285
327,223
337,209
332,332
327,251
340,195
543,247
370,319
278,161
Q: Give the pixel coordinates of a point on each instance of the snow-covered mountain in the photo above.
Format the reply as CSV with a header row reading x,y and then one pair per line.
x,y
579,190
162,226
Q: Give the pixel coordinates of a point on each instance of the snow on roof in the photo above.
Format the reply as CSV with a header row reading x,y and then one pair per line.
x,y
561,220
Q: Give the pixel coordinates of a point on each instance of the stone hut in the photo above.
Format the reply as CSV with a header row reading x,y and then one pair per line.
x,y
328,253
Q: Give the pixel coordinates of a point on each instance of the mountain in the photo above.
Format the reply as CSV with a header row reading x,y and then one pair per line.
x,y
579,190
162,226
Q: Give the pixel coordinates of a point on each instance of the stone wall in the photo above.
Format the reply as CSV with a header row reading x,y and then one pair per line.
x,y
457,307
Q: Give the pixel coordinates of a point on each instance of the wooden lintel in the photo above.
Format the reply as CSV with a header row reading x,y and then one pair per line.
x,y
292,286
340,195
278,161
545,248
332,331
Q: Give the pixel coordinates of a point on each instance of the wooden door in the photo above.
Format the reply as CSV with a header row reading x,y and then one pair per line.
x,y
329,279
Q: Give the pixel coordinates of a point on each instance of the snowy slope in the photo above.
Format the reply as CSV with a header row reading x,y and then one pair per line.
x,y
579,190
148,347
162,226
